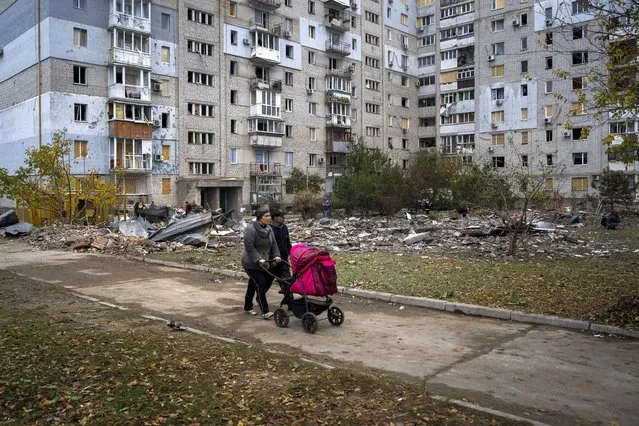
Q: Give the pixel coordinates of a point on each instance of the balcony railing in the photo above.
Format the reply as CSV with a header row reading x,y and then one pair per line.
x,y
346,72
258,83
340,22
129,57
266,141
338,47
273,169
125,91
340,4
268,4
129,22
264,55
335,120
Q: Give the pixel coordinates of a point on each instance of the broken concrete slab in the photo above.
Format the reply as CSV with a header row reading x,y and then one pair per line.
x,y
415,238
8,218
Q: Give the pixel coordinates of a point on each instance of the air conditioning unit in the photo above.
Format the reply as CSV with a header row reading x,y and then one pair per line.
x,y
494,125
491,149
417,83
351,67
157,87
566,134
548,22
595,178
404,130
353,5
287,34
246,42
157,123
499,101
515,22
157,157
420,29
405,46
320,160
277,85
548,120
309,91
404,67
491,58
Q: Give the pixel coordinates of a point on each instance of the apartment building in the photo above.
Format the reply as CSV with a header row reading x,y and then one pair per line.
x,y
216,102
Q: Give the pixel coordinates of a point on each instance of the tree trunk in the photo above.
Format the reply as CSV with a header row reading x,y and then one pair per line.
x,y
512,242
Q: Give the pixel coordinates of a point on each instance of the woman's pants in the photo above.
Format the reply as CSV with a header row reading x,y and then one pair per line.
x,y
258,284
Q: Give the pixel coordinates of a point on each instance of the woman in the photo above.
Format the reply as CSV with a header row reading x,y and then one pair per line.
x,y
259,242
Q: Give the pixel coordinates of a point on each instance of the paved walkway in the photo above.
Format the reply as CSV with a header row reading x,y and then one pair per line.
x,y
549,374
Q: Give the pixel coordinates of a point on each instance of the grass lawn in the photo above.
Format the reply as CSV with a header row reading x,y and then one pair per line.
x,y
67,360
600,288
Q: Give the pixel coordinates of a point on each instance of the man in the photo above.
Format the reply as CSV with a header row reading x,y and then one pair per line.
x,y
280,232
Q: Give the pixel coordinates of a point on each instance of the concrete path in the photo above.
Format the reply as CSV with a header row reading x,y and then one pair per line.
x,y
552,375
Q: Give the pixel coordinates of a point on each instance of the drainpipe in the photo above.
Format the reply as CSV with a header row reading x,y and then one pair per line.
x,y
39,83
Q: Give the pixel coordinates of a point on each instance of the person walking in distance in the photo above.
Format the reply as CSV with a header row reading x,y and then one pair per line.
x,y
259,244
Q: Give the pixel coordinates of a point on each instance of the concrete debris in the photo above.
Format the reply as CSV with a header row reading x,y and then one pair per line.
x,y
8,218
16,230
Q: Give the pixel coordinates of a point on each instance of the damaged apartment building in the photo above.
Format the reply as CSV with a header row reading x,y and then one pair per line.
x,y
215,102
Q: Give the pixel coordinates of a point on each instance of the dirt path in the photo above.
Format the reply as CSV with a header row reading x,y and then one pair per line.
x,y
553,375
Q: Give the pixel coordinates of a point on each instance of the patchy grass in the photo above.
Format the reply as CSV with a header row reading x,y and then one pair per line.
x,y
66,360
593,288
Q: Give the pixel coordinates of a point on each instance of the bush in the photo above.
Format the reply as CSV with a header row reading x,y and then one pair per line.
x,y
307,203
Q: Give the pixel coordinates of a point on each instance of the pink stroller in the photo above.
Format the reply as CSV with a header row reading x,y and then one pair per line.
x,y
313,275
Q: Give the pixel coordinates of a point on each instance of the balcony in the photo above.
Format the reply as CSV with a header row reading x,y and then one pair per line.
x,y
134,58
341,147
260,169
130,130
346,72
335,120
265,56
258,83
338,22
333,96
128,92
337,47
266,4
338,4
129,22
132,155
265,141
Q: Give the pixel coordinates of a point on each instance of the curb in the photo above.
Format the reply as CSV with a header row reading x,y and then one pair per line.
x,y
442,305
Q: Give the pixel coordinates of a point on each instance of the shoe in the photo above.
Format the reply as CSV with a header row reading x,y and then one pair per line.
x,y
250,312
267,315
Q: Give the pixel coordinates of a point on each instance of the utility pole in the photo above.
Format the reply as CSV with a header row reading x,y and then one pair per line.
x,y
39,77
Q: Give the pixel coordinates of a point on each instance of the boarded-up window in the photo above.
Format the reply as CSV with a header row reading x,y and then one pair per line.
x,y
524,114
498,139
232,8
579,184
166,186
549,184
524,138
498,71
448,77
548,111
166,54
497,117
80,149
79,37
166,152
498,4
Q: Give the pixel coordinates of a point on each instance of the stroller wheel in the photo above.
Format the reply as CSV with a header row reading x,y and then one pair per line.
x,y
335,316
281,318
309,322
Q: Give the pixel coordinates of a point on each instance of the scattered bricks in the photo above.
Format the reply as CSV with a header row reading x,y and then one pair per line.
x,y
602,328
549,320
99,243
81,243
421,302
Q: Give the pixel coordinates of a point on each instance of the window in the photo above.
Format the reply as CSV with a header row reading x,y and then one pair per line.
x,y
548,135
497,48
579,184
232,8
497,71
234,126
312,108
166,54
288,105
373,131
548,184
372,108
497,25
524,114
579,133
579,58
200,138
289,51
233,68
288,159
312,134
79,37
203,110
288,78
497,93
425,61
371,17
579,158
372,85
497,117
524,90
80,149
199,78
578,83
165,120
233,97
499,162
548,62
371,62
311,7
405,81
234,156
548,86
548,39
548,111
549,159
497,139
288,3
166,186
311,83
80,112
199,17
234,37
201,168
312,160
80,4
497,4
578,108
524,138
524,161
524,66
311,57
404,143
288,131
523,19
579,6
578,33
165,21
618,128
405,164
166,152
405,102
404,19
524,43
371,39
311,32
199,47
79,75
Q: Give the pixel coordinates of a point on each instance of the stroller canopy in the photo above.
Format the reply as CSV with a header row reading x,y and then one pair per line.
x,y
316,269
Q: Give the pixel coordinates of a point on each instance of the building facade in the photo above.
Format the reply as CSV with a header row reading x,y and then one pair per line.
x,y
216,102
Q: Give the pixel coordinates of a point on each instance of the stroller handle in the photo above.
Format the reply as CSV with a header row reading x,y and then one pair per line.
x,y
266,269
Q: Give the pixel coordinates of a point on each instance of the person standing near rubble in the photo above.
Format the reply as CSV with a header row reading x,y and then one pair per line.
x,y
280,231
259,244
326,208
463,211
